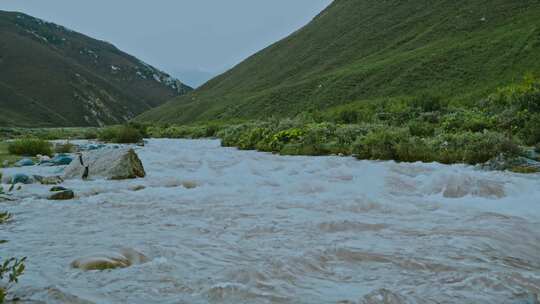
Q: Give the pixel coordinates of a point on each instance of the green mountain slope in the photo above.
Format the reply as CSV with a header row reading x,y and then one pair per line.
x,y
359,50
51,76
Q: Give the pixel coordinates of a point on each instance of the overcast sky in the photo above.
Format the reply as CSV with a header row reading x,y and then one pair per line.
x,y
191,39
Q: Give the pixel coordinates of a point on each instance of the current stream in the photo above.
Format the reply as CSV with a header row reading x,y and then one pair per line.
x,y
226,226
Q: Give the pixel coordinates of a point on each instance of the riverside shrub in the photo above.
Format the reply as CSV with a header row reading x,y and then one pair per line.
x,y
30,147
121,135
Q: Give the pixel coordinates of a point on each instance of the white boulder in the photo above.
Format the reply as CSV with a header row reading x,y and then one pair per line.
x,y
112,164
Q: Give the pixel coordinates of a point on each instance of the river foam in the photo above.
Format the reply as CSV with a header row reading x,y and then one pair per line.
x,y
220,225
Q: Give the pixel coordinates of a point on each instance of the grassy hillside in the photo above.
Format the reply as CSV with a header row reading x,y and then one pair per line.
x,y
51,76
359,50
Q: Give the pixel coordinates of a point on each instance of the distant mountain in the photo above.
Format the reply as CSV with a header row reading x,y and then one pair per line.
x,y
52,76
358,50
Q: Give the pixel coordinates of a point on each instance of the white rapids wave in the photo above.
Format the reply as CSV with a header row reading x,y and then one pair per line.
x,y
226,226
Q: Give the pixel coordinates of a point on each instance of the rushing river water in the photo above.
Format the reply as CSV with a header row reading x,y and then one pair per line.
x,y
227,226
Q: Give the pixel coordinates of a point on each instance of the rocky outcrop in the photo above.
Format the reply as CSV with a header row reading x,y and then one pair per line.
x,y
114,164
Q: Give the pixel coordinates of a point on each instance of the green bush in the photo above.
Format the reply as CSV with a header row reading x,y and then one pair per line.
x,y
467,120
282,138
521,97
121,135
64,148
466,147
415,149
128,135
530,133
90,134
380,144
230,136
253,138
30,147
473,148
345,136
141,128
421,129
107,134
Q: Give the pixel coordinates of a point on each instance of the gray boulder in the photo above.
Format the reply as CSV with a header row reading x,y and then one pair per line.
x,y
114,164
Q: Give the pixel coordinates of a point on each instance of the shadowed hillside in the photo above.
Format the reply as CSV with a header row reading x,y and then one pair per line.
x,y
52,76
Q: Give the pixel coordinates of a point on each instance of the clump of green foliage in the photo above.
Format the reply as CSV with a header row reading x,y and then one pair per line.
x,y
4,216
5,156
464,147
126,134
90,134
10,269
30,147
64,148
516,110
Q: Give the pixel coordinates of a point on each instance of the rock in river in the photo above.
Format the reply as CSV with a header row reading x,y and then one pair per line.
x,y
25,162
106,163
62,160
18,178
104,261
62,195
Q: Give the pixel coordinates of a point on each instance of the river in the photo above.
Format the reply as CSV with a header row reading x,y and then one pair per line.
x,y
226,226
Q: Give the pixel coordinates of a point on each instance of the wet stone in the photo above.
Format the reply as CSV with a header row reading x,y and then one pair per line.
x,y
62,195
110,260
